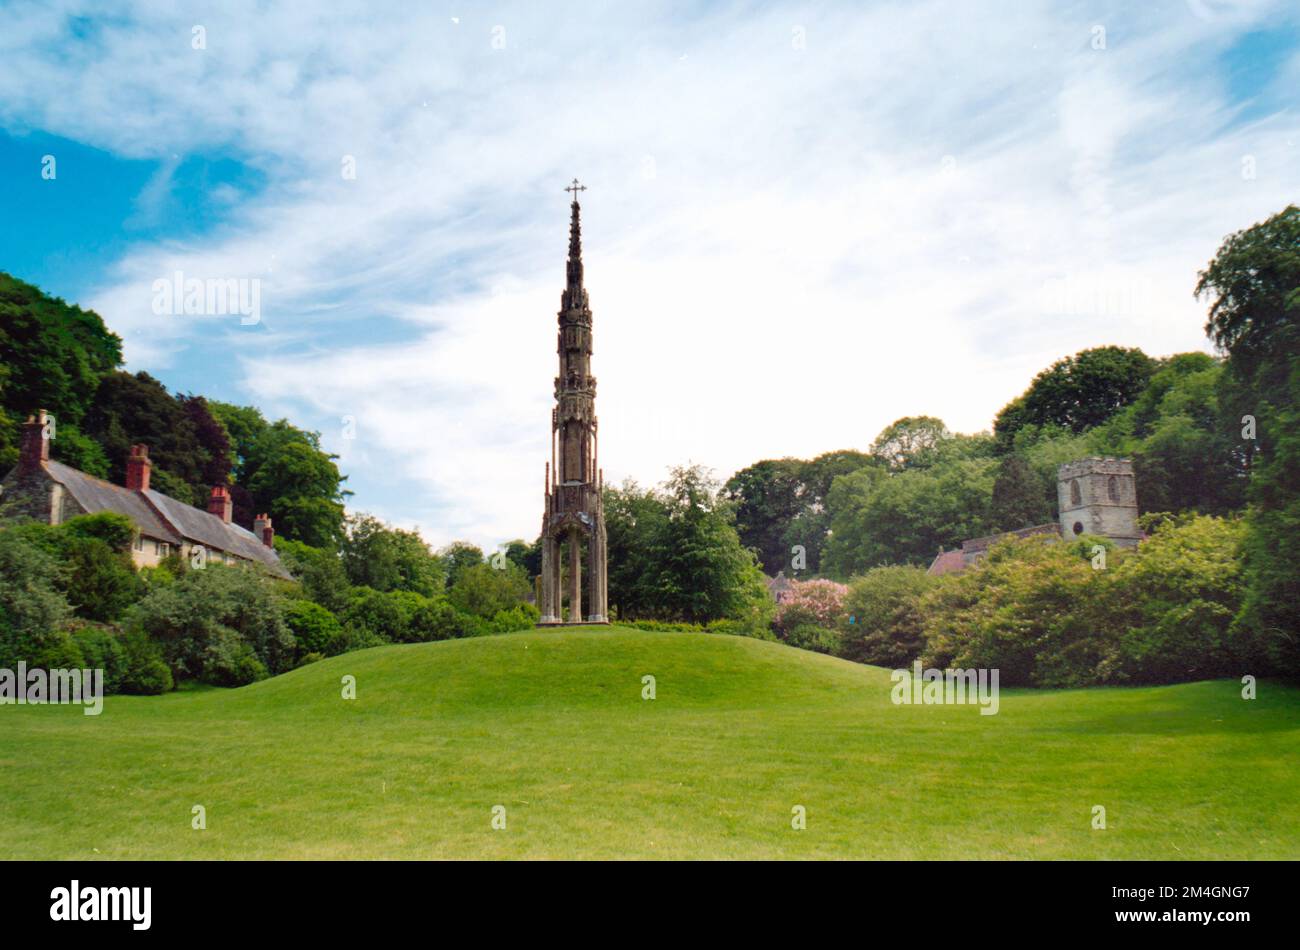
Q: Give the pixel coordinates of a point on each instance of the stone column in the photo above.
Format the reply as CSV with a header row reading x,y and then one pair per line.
x,y
596,581
546,582
575,577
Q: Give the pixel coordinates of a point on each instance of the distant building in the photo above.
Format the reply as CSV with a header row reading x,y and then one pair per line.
x,y
51,492
1096,496
780,587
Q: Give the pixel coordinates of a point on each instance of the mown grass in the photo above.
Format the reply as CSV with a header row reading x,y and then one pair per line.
x,y
551,724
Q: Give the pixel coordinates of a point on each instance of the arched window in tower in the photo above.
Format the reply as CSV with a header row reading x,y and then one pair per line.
x,y
1076,496
1112,489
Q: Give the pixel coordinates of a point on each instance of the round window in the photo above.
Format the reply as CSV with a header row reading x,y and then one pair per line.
x,y
1078,527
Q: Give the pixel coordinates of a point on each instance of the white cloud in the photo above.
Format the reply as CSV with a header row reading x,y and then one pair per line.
x,y
786,248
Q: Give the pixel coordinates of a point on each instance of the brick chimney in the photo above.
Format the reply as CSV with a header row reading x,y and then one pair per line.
x,y
262,528
35,446
219,503
137,468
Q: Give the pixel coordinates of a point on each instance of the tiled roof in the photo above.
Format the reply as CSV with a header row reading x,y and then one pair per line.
x,y
163,517
780,583
947,562
210,531
986,542
96,495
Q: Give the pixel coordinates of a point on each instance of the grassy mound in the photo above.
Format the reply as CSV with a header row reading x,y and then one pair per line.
x,y
552,726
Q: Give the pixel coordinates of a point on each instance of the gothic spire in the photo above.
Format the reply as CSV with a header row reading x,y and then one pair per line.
x,y
575,296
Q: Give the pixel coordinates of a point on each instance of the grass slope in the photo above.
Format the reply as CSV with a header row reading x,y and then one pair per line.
x,y
552,726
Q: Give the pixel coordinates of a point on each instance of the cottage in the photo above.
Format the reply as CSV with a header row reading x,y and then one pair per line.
x,y
49,491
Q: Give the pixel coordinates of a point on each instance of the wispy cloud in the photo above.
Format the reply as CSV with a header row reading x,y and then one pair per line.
x,y
802,223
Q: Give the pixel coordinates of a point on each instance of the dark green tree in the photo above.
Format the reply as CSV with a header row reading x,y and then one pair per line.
x,y
1253,284
767,497
1018,497
458,556
1077,392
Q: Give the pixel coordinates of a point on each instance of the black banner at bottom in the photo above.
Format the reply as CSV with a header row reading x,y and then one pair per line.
x,y
332,899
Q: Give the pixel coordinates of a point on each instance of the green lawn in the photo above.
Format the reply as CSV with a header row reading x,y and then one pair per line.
x,y
551,724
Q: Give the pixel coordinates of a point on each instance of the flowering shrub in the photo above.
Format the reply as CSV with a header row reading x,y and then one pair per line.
x,y
812,603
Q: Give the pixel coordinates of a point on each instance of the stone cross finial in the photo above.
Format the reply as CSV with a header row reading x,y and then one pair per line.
x,y
575,188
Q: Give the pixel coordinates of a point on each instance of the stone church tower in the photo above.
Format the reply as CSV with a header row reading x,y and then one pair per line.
x,y
1098,496
574,515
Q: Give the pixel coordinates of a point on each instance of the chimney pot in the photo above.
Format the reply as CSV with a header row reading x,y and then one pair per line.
x,y
262,528
35,445
138,467
219,503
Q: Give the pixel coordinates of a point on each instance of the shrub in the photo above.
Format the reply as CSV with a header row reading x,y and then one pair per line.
x,y
885,620
31,604
818,603
314,628
439,620
521,617
230,661
485,591
95,572
145,672
380,616
210,621
810,637
1170,608
1027,609
101,649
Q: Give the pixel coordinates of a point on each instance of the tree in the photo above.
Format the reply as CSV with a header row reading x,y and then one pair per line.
x,y
703,572
298,484
909,442
281,469
1018,497
781,507
906,517
137,408
1186,455
634,520
768,497
95,572
484,591
385,558
1077,392
459,556
1253,284
52,356
318,570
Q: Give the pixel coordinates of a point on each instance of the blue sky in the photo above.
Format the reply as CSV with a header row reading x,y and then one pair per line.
x,y
804,220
